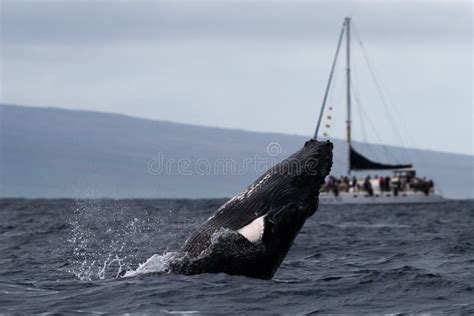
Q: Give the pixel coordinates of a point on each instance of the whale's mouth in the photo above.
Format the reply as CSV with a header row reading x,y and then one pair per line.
x,y
322,149
314,161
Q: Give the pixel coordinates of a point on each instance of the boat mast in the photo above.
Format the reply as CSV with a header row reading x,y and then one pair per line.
x,y
348,92
346,27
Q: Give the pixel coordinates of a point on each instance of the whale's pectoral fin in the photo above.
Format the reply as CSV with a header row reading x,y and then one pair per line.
x,y
229,252
233,217
253,232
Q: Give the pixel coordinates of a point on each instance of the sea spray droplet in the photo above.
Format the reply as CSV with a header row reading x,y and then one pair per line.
x,y
104,238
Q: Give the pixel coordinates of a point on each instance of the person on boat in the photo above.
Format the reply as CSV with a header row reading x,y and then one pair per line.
x,y
344,184
340,183
330,183
347,183
354,185
335,186
368,186
403,183
382,184
375,183
431,185
396,189
425,186
387,183
410,175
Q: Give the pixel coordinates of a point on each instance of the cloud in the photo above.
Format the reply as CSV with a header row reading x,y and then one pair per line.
x,y
254,65
76,22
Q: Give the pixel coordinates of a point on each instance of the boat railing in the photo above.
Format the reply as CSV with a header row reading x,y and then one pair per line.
x,y
378,185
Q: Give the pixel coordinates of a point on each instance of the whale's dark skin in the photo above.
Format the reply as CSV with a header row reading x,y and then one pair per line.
x,y
286,195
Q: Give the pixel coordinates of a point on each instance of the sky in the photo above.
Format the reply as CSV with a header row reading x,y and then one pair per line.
x,y
253,65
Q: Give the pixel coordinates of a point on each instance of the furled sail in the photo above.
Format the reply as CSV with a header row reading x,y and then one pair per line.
x,y
359,162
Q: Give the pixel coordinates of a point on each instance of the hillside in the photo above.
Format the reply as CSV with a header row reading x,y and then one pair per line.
x,y
49,152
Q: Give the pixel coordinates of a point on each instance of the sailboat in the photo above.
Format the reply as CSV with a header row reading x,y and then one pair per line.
x,y
403,187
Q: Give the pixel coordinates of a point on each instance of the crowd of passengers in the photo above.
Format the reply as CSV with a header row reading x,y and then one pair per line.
x,y
381,184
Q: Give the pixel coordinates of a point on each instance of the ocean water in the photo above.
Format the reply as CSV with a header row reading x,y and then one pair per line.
x,y
64,256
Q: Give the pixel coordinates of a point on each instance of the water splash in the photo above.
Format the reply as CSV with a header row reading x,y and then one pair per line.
x,y
108,237
105,238
154,264
161,263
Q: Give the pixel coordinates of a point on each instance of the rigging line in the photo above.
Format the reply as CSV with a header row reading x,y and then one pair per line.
x,y
388,104
364,132
339,117
398,116
335,86
358,100
374,78
389,156
334,98
385,149
330,79
383,96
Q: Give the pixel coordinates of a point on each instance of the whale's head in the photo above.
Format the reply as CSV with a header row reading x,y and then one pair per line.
x,y
297,179
292,188
305,170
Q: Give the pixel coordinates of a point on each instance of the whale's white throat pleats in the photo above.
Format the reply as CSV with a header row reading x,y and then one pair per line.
x,y
253,231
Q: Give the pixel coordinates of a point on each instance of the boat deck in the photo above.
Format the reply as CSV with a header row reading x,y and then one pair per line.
x,y
379,198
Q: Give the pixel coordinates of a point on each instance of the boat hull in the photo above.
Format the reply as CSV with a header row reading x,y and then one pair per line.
x,y
386,198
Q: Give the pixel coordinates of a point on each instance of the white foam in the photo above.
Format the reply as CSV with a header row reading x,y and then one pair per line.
x,y
154,264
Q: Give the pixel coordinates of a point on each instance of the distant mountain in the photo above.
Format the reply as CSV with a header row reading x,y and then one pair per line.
x,y
50,152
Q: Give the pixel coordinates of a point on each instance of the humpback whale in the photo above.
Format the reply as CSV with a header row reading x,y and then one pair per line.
x,y
251,234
